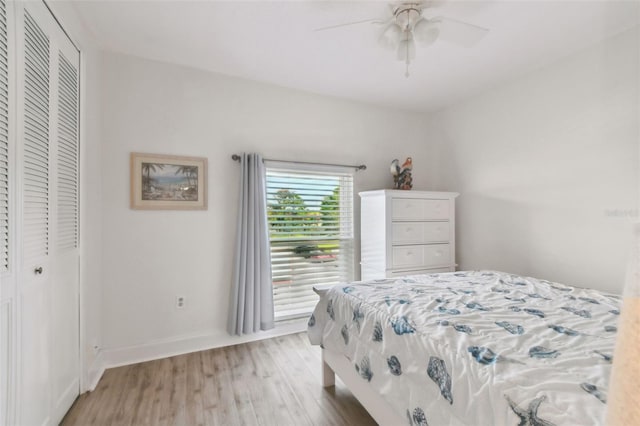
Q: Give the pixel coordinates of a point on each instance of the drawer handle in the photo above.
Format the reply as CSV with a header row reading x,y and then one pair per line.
x,y
38,270
409,253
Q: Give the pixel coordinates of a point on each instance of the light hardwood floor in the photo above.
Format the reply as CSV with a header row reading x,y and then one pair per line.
x,y
270,382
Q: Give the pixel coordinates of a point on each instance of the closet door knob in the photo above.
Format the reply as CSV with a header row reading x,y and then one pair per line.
x,y
38,270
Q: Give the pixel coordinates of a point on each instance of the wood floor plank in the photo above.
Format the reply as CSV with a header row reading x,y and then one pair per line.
x,y
162,378
269,382
337,396
194,408
144,396
304,386
269,406
219,405
289,401
114,395
177,400
241,383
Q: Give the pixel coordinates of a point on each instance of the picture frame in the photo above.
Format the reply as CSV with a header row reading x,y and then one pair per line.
x,y
168,182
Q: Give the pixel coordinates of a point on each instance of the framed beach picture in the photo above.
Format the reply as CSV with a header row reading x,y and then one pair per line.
x,y
168,182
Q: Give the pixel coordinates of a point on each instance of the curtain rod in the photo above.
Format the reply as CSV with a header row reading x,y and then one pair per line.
x,y
236,157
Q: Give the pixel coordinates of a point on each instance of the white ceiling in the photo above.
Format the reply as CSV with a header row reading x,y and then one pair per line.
x,y
274,42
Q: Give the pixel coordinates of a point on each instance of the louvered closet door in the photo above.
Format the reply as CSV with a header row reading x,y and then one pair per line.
x,y
4,141
34,283
65,253
7,245
47,109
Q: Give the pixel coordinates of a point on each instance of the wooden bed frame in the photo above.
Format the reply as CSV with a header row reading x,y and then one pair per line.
x,y
334,363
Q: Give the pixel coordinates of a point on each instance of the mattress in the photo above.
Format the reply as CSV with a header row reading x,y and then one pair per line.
x,y
475,348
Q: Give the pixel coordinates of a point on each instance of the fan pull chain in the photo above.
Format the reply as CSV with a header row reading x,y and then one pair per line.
x,y
406,73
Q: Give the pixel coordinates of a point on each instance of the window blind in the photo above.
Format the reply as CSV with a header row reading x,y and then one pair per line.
x,y
310,216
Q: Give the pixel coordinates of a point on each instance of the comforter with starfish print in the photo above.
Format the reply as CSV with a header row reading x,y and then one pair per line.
x,y
475,348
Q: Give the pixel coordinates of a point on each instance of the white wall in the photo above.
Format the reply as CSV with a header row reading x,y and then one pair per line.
x,y
149,257
539,162
547,168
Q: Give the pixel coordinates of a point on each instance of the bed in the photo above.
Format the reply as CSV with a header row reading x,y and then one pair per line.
x,y
469,348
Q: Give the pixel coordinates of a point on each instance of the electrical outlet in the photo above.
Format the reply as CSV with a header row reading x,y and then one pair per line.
x,y
181,302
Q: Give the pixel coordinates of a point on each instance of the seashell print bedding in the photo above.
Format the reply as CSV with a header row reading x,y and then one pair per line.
x,y
475,348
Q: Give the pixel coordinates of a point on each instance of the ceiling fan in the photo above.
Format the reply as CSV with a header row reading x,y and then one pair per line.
x,y
407,24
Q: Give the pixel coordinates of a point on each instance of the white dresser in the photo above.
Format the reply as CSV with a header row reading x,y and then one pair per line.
x,y
406,232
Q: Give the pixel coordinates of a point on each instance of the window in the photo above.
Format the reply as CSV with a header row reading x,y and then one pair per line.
x,y
310,215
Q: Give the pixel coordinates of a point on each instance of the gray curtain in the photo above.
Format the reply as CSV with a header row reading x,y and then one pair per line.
x,y
251,306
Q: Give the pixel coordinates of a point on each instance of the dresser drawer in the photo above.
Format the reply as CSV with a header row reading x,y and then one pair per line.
x,y
419,256
415,209
420,232
392,274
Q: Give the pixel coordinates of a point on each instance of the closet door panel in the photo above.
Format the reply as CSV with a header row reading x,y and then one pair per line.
x,y
50,272
35,380
39,216
65,256
64,353
33,108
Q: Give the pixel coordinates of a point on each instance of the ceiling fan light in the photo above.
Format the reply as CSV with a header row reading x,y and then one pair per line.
x,y
406,50
390,36
426,31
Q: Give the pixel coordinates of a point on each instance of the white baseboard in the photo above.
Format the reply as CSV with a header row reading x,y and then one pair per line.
x,y
94,374
64,401
179,345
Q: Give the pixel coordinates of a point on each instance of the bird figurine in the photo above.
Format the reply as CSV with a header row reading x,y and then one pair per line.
x,y
407,165
402,174
405,181
395,168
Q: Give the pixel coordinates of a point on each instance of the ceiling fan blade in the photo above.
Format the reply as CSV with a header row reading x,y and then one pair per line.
x,y
430,4
459,32
346,24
